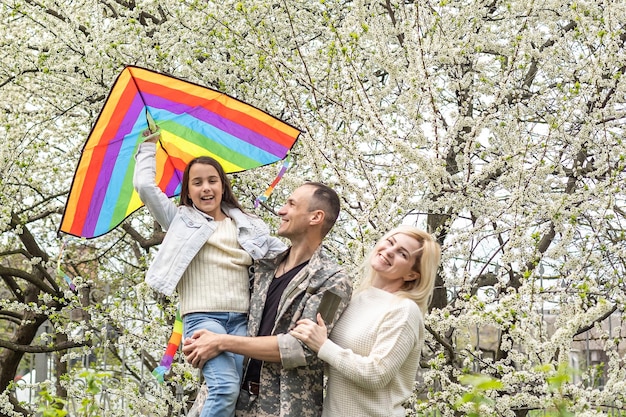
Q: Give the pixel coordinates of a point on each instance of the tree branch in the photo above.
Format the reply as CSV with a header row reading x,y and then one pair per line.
x,y
40,348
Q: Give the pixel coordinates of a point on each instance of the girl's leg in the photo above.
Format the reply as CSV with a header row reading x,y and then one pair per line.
x,y
238,325
220,373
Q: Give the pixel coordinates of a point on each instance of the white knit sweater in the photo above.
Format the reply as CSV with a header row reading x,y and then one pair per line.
x,y
216,280
372,356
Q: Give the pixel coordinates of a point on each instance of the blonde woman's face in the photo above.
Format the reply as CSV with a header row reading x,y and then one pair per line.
x,y
394,257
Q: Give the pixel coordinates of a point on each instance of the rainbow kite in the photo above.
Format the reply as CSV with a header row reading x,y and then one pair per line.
x,y
194,120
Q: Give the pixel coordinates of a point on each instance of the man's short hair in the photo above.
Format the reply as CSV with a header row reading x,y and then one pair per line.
x,y
326,199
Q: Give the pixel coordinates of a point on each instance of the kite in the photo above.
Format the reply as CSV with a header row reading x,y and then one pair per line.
x,y
194,120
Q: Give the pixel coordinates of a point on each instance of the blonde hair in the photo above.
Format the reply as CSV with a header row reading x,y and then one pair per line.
x,y
426,264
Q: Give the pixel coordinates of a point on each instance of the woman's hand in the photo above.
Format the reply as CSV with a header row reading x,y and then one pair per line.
x,y
313,335
151,137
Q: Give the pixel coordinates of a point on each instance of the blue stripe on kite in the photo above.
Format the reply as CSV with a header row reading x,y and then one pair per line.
x,y
210,118
123,164
213,134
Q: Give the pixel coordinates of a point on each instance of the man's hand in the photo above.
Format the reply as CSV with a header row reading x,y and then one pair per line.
x,y
200,347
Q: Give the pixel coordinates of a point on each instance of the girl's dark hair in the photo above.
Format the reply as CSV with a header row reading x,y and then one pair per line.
x,y
228,197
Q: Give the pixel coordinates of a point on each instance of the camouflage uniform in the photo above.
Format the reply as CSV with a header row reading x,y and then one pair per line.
x,y
294,387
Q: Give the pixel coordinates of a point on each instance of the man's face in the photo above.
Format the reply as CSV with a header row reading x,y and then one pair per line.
x,y
295,214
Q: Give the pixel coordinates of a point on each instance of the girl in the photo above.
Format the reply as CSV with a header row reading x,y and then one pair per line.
x,y
206,253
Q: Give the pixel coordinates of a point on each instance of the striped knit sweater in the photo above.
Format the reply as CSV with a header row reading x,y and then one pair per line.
x,y
216,280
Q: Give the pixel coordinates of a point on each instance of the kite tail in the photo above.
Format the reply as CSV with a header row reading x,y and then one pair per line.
x,y
266,194
172,346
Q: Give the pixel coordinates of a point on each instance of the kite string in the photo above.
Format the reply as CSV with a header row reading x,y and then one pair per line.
x,y
263,198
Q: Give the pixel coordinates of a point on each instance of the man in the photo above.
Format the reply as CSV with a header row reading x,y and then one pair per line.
x,y
283,377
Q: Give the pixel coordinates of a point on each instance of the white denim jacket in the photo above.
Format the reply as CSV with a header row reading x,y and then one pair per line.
x,y
188,229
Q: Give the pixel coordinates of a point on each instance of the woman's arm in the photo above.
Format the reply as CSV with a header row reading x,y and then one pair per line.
x,y
313,335
395,341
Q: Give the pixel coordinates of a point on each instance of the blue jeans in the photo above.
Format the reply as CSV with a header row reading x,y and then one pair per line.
x,y
223,373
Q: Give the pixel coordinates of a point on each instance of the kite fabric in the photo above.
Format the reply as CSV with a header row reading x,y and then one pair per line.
x,y
172,347
193,121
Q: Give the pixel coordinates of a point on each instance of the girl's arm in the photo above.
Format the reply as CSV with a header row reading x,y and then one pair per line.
x,y
275,245
160,206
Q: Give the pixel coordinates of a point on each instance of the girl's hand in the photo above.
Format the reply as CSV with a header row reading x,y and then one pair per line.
x,y
151,137
313,335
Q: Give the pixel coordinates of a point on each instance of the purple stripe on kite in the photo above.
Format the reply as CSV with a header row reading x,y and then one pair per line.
x,y
167,361
113,146
136,111
173,186
220,122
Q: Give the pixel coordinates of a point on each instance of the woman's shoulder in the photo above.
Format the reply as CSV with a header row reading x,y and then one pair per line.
x,y
400,307
409,312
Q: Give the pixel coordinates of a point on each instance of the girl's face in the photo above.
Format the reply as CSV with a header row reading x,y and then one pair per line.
x,y
206,189
393,260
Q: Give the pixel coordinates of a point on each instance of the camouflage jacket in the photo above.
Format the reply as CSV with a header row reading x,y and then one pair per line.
x,y
294,387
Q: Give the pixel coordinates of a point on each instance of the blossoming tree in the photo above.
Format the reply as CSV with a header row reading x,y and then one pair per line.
x,y
497,125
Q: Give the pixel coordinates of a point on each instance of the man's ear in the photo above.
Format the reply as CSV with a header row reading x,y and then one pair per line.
x,y
317,217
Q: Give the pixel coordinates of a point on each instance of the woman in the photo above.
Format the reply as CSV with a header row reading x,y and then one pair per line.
x,y
206,254
374,350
